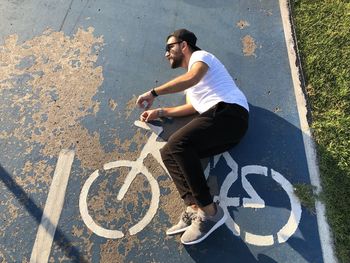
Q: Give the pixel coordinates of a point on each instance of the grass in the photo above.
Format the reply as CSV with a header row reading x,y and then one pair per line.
x,y
323,33
306,195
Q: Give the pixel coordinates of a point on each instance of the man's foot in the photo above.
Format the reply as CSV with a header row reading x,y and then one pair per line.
x,y
203,226
185,221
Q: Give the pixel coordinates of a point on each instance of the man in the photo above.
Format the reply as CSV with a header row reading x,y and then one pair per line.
x,y
221,123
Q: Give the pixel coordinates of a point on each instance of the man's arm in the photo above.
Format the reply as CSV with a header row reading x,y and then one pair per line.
x,y
181,83
178,111
185,81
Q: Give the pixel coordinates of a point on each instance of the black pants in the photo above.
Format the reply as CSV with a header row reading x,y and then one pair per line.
x,y
212,132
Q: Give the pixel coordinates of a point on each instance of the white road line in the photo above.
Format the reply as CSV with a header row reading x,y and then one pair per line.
x,y
323,228
53,207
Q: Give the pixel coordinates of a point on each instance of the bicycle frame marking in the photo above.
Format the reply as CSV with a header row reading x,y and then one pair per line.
x,y
153,146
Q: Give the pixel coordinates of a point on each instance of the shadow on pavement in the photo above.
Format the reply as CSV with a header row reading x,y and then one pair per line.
x,y
277,144
215,249
36,212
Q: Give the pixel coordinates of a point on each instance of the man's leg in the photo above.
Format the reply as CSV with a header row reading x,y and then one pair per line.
x,y
213,132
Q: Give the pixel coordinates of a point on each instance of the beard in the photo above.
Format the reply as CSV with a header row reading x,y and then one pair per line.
x,y
177,61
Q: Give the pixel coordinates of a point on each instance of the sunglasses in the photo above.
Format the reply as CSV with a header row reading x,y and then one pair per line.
x,y
170,46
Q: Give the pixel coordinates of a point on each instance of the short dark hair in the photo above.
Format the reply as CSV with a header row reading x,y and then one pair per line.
x,y
185,35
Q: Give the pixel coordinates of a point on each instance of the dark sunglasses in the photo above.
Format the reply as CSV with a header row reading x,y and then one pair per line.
x,y
169,46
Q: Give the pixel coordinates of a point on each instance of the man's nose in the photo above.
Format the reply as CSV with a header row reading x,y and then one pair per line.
x,y
167,53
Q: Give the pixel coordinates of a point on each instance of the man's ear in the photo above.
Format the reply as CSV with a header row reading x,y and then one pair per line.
x,y
185,45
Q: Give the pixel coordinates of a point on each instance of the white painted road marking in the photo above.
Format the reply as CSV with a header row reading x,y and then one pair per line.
x,y
53,207
137,167
253,201
84,211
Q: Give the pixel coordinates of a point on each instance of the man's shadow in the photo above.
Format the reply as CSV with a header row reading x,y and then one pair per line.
x,y
273,142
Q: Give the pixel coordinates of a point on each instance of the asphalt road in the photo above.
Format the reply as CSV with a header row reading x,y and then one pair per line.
x,y
70,72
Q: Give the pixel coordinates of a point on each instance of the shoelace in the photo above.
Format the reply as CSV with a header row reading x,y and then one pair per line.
x,y
188,217
199,218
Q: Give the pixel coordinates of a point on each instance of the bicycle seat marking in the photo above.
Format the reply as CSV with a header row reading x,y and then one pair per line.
x,y
152,147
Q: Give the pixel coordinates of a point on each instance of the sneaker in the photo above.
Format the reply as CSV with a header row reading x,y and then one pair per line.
x,y
185,221
203,226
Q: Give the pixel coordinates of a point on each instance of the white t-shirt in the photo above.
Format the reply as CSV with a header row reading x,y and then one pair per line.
x,y
217,85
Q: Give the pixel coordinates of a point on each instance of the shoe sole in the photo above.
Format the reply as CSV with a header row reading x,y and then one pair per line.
x,y
177,231
218,224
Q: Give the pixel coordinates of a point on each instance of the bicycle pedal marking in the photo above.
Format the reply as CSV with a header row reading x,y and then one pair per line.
x,y
152,147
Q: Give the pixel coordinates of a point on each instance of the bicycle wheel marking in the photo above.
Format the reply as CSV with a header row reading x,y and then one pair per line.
x,y
258,240
295,215
255,201
138,168
113,234
84,212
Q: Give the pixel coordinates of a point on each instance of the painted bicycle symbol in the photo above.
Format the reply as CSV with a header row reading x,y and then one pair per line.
x,y
153,146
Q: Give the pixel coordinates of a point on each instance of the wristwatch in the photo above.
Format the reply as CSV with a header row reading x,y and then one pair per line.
x,y
154,93
160,113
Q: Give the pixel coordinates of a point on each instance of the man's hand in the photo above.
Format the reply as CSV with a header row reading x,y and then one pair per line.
x,y
145,100
149,115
